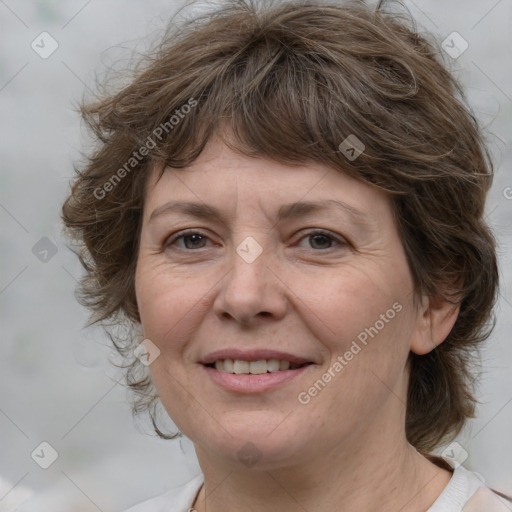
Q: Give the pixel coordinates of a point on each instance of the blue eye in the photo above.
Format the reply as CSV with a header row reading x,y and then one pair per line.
x,y
322,240
191,239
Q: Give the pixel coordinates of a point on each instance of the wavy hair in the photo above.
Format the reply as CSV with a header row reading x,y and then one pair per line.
x,y
290,81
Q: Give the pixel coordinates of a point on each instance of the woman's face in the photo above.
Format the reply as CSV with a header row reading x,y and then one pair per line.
x,y
250,260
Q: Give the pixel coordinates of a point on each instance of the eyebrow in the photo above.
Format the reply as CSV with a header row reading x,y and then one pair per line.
x,y
288,211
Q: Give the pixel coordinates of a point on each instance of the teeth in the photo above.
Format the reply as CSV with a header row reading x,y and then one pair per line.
x,y
258,367
240,366
253,367
284,365
273,365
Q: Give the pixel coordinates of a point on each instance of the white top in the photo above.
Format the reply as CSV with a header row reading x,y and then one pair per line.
x,y
465,492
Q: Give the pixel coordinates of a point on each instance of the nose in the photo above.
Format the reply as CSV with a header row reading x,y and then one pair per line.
x,y
251,291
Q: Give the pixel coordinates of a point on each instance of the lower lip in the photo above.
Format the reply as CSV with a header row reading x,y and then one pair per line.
x,y
247,383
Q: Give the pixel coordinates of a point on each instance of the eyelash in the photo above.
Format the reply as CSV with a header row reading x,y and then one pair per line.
x,y
316,232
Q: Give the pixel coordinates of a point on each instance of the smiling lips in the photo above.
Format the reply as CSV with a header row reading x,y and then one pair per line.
x,y
255,362
260,367
253,371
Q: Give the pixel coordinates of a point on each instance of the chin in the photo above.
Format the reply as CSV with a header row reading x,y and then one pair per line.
x,y
255,448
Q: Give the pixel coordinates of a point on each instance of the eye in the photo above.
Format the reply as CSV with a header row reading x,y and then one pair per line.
x,y
191,240
323,240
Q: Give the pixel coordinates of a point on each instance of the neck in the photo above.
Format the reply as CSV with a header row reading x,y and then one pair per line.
x,y
357,476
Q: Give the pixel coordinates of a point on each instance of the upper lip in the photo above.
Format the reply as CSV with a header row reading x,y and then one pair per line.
x,y
253,355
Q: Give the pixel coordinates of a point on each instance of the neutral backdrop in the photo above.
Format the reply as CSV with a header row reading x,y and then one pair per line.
x,y
57,385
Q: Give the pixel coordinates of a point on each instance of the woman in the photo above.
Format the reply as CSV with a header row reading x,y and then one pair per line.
x,y
286,209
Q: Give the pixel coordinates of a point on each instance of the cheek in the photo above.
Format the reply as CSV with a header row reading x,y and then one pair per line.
x,y
365,322
351,304
366,335
170,305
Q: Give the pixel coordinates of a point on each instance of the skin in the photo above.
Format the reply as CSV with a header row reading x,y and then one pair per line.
x,y
306,295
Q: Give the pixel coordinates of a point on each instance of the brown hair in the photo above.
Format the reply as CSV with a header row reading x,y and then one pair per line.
x,y
291,82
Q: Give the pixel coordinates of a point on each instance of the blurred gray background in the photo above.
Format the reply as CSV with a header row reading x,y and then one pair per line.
x,y
57,385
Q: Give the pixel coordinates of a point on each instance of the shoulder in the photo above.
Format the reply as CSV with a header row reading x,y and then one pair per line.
x,y
179,499
468,492
485,500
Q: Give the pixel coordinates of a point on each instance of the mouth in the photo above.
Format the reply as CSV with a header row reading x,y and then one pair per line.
x,y
259,367
254,371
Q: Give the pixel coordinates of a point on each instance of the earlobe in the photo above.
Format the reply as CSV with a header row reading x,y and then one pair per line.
x,y
436,318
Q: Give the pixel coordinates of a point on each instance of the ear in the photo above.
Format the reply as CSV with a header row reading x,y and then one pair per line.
x,y
435,319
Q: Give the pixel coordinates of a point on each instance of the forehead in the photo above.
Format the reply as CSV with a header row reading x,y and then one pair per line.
x,y
222,180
